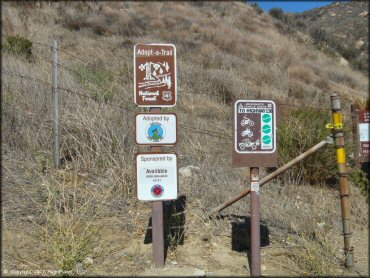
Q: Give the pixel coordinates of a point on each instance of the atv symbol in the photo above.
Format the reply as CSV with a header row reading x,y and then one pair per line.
x,y
247,132
247,121
246,143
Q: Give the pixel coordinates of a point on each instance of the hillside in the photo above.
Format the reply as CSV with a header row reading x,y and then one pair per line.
x,y
84,218
344,28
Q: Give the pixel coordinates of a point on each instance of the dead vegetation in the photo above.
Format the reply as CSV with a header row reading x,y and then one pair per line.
x,y
85,218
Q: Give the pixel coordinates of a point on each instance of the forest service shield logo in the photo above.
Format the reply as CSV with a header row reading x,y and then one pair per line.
x,y
167,96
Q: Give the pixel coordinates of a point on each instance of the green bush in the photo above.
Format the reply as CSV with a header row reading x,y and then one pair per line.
x,y
360,64
361,180
298,131
301,24
277,13
319,36
350,52
328,51
98,81
18,46
257,8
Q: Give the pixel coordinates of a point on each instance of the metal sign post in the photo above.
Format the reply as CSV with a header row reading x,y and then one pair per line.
x,y
54,77
155,86
255,145
157,221
255,222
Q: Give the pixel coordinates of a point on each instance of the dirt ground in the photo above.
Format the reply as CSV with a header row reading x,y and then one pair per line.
x,y
196,246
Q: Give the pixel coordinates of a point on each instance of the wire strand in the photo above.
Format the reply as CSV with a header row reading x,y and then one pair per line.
x,y
25,77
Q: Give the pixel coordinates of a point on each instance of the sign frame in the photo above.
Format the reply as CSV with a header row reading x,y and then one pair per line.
x,y
175,95
156,144
236,130
363,121
255,158
177,175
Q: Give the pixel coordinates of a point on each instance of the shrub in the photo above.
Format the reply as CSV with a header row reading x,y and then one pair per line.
x,y
277,13
319,36
301,24
298,131
328,51
257,8
71,232
361,180
18,46
97,80
315,257
302,73
360,64
349,53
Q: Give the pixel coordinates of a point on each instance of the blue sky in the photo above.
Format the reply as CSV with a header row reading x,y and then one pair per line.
x,y
291,6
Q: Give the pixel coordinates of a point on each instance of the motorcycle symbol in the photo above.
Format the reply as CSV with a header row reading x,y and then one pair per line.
x,y
247,132
247,121
246,143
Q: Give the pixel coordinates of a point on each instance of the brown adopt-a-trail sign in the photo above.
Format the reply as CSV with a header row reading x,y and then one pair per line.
x,y
155,75
254,136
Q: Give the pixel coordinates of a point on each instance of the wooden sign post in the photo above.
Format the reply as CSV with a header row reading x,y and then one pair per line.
x,y
255,145
156,87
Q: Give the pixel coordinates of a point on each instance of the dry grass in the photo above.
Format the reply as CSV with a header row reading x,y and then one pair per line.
x,y
225,52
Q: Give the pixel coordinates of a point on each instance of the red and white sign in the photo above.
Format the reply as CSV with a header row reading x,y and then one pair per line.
x,y
156,176
155,80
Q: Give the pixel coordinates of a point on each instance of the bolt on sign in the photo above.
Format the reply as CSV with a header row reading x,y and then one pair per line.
x,y
156,128
254,133
156,176
155,75
363,131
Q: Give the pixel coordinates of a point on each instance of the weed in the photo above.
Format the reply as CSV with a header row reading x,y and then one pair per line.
x,y
319,36
361,180
314,257
277,13
18,46
70,231
298,131
301,72
330,52
257,8
97,80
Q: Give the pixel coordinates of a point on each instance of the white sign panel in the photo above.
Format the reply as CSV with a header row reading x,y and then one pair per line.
x,y
364,132
156,176
156,129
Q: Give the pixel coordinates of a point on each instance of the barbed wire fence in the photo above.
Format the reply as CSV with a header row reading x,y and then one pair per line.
x,y
224,136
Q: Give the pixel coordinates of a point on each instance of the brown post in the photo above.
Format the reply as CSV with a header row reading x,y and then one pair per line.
x,y
255,222
355,134
157,218
343,179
